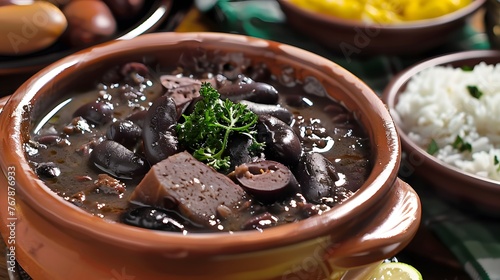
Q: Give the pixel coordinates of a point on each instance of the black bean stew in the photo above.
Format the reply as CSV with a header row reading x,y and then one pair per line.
x,y
118,151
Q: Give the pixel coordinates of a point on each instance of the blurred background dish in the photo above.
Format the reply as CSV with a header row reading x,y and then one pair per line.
x,y
469,191
148,17
492,22
360,37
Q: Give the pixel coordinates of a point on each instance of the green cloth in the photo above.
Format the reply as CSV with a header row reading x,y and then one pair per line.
x,y
475,241
474,238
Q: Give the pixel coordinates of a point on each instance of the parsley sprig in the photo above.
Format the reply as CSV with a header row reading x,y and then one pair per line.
x,y
433,147
474,91
461,145
207,129
496,162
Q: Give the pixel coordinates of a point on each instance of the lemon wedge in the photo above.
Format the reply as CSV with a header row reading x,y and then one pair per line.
x,y
395,271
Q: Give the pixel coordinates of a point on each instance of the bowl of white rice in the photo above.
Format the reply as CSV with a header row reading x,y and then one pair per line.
x,y
447,112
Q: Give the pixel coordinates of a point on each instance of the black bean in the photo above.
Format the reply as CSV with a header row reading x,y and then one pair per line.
x,y
124,132
317,176
97,113
256,92
153,218
282,144
118,161
238,149
158,133
47,170
270,109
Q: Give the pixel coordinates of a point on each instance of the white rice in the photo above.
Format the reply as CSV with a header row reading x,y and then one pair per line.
x,y
437,105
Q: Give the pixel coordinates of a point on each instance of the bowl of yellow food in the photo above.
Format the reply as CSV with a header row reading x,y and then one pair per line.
x,y
379,27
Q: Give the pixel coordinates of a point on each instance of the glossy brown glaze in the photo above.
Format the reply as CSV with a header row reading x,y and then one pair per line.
x,y
352,38
56,240
452,183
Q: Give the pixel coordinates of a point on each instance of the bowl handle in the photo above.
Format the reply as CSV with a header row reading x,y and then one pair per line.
x,y
388,232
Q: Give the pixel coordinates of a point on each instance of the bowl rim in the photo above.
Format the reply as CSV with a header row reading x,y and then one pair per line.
x,y
313,227
400,80
154,17
416,24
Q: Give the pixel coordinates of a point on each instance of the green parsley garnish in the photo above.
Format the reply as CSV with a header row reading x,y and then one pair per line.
x,y
461,145
467,68
207,129
496,162
475,92
433,147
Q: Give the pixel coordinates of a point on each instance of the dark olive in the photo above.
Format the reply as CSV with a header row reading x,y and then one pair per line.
x,y
255,91
282,144
317,176
97,113
260,222
267,181
124,132
47,170
153,218
118,161
158,133
270,109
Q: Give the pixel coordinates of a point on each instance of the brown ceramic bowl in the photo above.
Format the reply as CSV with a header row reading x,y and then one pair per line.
x,y
451,182
352,38
57,240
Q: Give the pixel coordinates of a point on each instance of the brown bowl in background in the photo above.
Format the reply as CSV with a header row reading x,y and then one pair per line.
x,y
352,37
453,184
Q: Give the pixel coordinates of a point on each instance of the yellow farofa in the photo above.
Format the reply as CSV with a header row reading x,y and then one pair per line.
x,y
383,11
